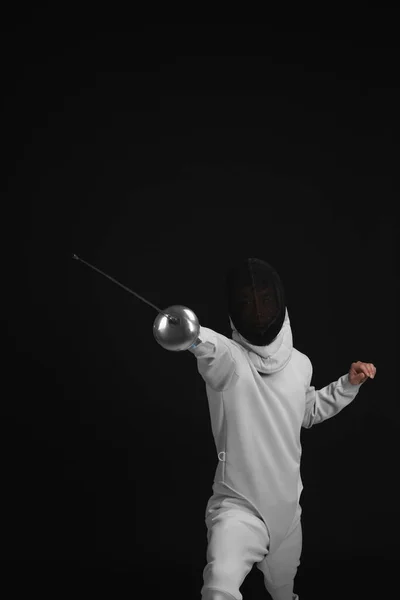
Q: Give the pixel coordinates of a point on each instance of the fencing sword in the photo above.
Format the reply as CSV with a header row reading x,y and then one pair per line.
x,y
176,328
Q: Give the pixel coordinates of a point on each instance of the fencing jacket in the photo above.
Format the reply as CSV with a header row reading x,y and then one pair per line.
x,y
259,398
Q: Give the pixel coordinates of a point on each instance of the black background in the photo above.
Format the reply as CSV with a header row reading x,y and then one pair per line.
x,y
161,168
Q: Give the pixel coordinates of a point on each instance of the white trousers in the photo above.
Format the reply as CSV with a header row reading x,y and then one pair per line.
x,y
237,539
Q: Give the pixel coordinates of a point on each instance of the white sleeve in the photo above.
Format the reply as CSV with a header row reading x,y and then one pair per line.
x,y
215,360
329,401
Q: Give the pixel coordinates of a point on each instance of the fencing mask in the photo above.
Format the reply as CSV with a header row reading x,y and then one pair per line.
x,y
256,301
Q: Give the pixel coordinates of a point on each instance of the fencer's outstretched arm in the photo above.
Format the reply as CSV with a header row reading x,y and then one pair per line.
x,y
329,401
215,360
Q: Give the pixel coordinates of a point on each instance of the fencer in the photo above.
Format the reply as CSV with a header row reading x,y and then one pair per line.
x,y
260,395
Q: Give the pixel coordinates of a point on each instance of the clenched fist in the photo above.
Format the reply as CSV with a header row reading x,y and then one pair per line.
x,y
360,371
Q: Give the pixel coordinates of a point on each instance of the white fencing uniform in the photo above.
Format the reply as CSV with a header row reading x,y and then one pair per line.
x,y
259,398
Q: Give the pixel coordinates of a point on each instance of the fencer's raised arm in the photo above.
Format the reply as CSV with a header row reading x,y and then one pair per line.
x,y
328,401
215,361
